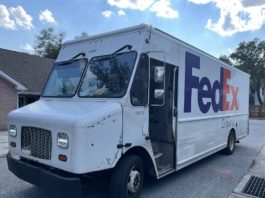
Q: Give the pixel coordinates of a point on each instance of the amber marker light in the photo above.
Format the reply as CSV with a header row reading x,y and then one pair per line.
x,y
13,144
62,157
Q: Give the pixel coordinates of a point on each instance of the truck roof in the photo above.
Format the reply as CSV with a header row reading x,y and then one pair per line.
x,y
115,32
146,27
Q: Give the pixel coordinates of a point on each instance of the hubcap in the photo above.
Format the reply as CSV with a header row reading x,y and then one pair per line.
x,y
134,181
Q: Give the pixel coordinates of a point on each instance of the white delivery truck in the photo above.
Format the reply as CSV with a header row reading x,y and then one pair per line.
x,y
129,102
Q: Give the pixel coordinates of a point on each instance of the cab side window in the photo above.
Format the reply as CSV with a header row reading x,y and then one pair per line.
x,y
139,90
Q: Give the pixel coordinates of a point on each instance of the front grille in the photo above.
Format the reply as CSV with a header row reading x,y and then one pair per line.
x,y
36,142
255,187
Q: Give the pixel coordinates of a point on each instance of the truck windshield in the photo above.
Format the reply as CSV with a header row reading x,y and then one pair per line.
x,y
108,76
64,78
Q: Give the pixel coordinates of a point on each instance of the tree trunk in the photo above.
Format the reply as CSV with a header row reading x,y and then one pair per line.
x,y
259,97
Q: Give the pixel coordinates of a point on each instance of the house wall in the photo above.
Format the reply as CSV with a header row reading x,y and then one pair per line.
x,y
8,101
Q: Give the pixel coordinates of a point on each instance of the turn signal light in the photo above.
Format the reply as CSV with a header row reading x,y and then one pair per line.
x,y
62,157
13,144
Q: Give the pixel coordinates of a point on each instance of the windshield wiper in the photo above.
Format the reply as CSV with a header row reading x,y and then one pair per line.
x,y
79,54
105,58
122,48
72,60
113,55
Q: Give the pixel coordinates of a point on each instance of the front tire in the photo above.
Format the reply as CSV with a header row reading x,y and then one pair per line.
x,y
231,143
127,178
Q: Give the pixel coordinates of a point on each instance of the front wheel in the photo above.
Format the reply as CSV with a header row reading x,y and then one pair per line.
x,y
231,142
127,178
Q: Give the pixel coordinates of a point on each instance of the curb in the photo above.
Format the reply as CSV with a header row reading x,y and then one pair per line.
x,y
235,195
237,192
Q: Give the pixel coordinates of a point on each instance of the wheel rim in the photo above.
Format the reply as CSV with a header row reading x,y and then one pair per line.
x,y
134,181
232,142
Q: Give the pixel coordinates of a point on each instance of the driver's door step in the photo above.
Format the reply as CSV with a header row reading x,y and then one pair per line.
x,y
164,170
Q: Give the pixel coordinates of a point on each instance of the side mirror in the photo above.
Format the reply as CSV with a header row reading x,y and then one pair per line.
x,y
159,93
159,73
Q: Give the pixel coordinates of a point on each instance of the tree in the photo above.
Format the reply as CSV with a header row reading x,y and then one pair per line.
x,y
48,43
250,57
82,35
225,59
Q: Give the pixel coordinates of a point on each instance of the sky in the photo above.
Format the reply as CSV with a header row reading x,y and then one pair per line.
x,y
214,26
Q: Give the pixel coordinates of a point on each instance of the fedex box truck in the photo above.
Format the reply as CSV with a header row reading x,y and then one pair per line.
x,y
130,102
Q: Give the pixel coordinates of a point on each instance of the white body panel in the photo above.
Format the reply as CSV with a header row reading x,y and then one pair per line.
x,y
200,134
84,123
96,126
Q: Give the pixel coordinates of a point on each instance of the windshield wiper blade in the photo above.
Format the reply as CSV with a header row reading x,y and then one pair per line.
x,y
105,58
122,48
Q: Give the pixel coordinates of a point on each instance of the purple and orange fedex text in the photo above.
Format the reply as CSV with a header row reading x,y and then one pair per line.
x,y
207,89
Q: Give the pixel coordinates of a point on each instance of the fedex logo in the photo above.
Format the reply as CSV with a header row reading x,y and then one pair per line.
x,y
207,91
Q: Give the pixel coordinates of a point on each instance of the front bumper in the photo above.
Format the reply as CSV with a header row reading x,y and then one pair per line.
x,y
63,186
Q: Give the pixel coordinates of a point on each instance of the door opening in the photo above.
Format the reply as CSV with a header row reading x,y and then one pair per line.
x,y
161,113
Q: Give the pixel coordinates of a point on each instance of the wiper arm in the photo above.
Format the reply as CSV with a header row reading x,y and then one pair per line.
x,y
113,55
122,48
80,54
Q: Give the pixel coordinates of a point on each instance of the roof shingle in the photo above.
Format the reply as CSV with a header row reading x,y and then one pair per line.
x,y
29,70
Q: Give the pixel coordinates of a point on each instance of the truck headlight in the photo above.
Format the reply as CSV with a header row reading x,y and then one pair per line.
x,y
62,140
12,130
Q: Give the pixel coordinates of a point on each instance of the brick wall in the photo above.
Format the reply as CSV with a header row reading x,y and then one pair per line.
x,y
8,101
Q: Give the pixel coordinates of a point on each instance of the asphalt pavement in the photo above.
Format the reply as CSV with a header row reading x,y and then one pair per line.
x,y
214,177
